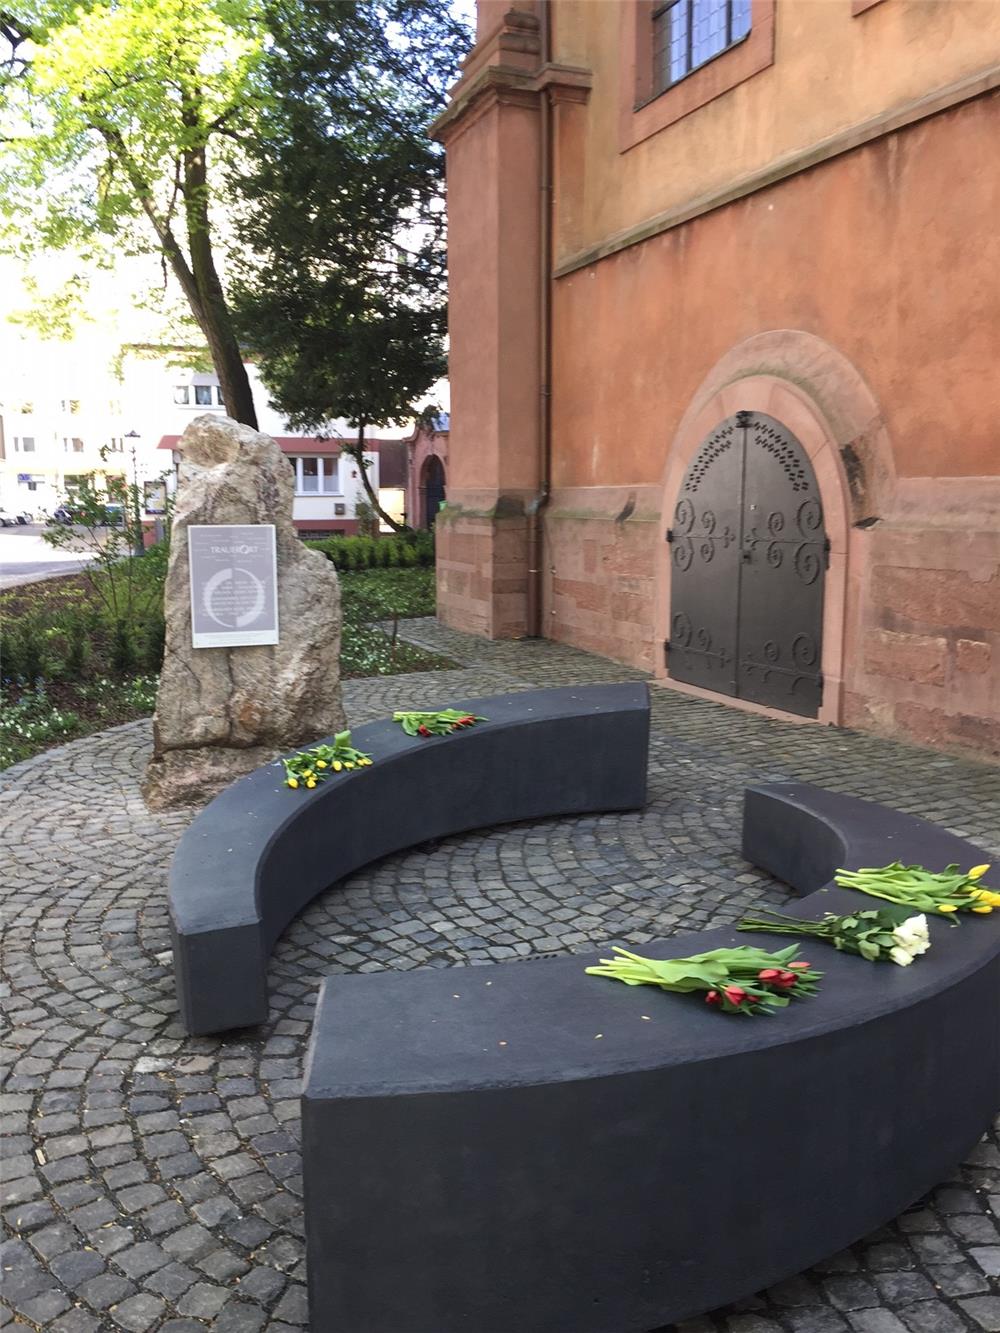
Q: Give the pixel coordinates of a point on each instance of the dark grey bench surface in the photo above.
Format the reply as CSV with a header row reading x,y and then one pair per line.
x,y
526,1147
255,856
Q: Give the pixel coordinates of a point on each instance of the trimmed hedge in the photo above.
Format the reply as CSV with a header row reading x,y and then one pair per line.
x,y
399,551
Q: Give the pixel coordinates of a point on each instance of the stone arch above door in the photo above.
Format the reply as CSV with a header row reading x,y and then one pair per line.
x,y
428,444
832,387
726,392
433,481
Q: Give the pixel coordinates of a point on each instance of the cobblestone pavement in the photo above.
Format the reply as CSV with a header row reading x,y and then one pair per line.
x,y
152,1181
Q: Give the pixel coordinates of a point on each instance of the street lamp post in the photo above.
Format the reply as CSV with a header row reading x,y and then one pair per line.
x,y
138,545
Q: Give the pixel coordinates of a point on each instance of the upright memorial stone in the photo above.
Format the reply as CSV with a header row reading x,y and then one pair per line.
x,y
251,666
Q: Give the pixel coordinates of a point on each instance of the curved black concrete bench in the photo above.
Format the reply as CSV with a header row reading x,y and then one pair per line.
x,y
524,1147
255,856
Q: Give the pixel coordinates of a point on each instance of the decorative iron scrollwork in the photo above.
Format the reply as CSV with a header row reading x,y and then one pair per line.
x,y
809,517
684,516
808,562
717,444
683,553
805,653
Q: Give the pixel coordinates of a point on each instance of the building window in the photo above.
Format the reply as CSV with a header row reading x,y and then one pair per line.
x,y
316,476
688,33
27,444
74,445
309,475
203,395
182,395
220,401
71,405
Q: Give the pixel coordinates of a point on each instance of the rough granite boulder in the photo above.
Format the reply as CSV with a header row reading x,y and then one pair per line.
x,y
222,712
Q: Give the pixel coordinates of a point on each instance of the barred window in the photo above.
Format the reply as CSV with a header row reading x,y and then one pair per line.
x,y
687,33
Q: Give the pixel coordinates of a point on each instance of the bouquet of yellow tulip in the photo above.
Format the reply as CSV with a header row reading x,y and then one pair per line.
x,y
307,767
948,891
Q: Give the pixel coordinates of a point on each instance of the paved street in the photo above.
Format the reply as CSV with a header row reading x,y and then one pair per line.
x,y
152,1181
25,557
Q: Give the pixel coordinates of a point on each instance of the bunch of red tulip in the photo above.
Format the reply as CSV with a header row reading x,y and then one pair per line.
x,y
441,723
735,981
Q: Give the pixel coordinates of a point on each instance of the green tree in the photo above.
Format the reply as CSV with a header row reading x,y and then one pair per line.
x,y
340,292
121,121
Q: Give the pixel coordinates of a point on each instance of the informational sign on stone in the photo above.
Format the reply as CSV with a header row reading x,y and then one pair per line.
x,y
234,585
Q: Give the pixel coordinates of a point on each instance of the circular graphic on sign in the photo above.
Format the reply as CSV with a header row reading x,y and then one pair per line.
x,y
233,598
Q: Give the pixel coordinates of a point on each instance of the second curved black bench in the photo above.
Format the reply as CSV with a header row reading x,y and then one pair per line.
x,y
524,1147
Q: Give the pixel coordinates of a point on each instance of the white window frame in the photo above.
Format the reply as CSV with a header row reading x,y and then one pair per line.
x,y
328,471
207,388
182,395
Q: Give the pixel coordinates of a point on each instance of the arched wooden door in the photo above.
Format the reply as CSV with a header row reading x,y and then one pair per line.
x,y
748,554
433,489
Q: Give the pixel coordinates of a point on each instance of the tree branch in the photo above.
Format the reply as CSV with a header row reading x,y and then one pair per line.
x,y
168,241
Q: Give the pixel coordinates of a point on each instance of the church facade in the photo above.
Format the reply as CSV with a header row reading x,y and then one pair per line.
x,y
725,350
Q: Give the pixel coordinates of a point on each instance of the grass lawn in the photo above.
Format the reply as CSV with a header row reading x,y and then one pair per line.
x,y
71,666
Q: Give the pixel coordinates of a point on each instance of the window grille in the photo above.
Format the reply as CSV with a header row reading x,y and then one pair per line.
x,y
688,33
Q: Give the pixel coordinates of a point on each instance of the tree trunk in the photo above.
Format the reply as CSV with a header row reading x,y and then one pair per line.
x,y
357,452
214,316
198,280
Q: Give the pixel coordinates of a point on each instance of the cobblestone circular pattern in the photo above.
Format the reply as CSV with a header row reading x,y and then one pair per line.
x,y
152,1181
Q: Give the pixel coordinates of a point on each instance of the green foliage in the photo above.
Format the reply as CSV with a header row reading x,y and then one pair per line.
x,y
31,721
108,618
135,126
23,653
408,550
116,95
340,285
67,669
77,649
108,698
380,597
367,519
107,526
381,594
111,129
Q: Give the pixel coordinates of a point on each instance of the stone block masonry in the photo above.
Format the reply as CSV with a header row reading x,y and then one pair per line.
x,y
222,712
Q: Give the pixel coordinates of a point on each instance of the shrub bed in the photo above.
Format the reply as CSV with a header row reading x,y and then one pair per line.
x,y
407,550
74,659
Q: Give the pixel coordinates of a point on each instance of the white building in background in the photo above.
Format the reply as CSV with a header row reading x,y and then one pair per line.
x,y
65,414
